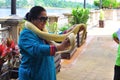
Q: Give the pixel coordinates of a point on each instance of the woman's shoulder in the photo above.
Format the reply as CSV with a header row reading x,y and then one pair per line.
x,y
26,31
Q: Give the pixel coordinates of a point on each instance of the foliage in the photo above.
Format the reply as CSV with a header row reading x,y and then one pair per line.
x,y
2,4
80,15
39,2
52,27
44,3
8,51
8,3
22,3
115,4
101,15
61,3
107,3
64,28
118,5
97,3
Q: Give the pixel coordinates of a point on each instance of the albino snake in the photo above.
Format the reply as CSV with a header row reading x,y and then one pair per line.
x,y
56,37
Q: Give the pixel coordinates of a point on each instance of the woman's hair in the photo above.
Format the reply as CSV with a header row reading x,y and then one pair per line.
x,y
34,13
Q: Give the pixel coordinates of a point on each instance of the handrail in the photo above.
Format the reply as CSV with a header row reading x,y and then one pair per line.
x,y
5,28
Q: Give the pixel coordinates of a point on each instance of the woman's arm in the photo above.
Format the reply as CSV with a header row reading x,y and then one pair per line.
x,y
31,44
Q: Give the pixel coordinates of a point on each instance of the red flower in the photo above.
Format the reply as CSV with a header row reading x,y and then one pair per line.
x,y
8,49
6,52
2,48
12,44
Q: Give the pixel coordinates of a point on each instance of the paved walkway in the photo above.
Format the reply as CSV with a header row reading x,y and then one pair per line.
x,y
95,59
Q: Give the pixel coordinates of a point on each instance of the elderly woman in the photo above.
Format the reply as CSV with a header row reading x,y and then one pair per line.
x,y
37,62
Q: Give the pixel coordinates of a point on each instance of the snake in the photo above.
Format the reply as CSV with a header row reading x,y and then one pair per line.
x,y
44,34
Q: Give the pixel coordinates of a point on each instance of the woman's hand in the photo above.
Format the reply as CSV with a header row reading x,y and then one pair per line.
x,y
64,45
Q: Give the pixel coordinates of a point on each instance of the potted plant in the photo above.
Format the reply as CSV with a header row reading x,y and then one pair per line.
x,y
9,52
80,15
101,19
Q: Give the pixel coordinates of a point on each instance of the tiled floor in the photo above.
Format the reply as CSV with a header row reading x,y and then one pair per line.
x,y
95,59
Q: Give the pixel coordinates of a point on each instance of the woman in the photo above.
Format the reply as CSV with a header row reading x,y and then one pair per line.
x,y
37,62
116,38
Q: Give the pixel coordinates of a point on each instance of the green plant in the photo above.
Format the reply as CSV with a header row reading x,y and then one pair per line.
x,y
52,27
97,3
101,15
65,27
80,15
107,3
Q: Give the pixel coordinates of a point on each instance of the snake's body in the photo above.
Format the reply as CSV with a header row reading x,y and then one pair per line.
x,y
56,37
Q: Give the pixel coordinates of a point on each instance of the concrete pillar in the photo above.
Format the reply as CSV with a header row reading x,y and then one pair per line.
x,y
13,23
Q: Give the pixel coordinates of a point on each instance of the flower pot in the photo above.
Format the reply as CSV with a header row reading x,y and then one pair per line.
x,y
10,74
101,23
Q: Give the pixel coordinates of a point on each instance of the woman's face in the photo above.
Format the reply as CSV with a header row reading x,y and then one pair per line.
x,y
40,22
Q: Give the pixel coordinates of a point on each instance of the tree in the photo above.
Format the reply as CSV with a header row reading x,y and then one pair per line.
x,y
8,3
106,3
2,3
22,3
39,2
97,3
